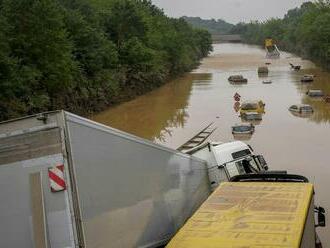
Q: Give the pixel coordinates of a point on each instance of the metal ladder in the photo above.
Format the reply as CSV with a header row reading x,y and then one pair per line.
x,y
198,139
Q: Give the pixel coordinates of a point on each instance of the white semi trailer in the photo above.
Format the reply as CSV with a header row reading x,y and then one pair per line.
x,y
66,181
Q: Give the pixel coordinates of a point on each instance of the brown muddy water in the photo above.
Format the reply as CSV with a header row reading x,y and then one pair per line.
x,y
173,113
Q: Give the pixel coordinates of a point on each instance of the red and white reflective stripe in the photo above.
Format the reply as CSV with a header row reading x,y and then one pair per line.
x,y
56,178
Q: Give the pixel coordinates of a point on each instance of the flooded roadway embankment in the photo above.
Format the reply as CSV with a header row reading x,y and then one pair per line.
x,y
175,112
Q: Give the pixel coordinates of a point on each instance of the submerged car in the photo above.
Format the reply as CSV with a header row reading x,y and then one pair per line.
x,y
267,81
263,70
307,78
237,79
251,116
295,67
301,108
252,106
243,129
315,93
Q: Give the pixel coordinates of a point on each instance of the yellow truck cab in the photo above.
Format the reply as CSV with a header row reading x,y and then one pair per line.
x,y
272,210
252,106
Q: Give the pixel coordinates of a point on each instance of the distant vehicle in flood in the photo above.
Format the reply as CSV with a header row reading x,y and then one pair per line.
x,y
267,82
252,106
263,70
243,129
295,67
272,51
307,78
301,108
237,79
315,93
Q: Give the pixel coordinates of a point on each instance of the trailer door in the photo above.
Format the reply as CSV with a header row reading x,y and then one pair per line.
x,y
34,212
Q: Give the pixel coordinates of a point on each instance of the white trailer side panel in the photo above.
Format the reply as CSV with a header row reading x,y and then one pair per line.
x,y
31,216
132,193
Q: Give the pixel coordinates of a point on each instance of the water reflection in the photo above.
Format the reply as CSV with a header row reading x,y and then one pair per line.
x,y
155,115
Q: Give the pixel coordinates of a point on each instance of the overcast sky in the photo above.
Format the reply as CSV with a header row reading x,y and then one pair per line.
x,y
232,11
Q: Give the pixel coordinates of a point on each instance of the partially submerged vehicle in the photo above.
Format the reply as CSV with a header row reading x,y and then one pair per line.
x,y
251,116
295,67
267,82
263,70
301,108
226,160
315,93
237,79
272,51
243,129
252,106
256,210
307,78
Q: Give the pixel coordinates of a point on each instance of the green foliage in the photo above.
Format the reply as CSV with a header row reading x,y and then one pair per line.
x,y
304,30
82,55
215,27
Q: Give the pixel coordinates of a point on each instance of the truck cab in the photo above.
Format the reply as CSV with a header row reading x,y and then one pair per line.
x,y
227,160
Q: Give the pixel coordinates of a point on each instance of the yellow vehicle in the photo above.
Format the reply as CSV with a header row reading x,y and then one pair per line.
x,y
271,210
252,106
272,51
269,42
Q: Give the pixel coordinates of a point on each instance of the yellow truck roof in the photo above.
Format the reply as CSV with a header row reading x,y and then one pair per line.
x,y
248,214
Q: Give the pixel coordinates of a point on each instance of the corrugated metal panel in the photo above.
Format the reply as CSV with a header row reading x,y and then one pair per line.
x,y
30,145
249,215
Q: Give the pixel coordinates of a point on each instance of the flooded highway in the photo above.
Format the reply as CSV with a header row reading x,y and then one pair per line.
x,y
299,144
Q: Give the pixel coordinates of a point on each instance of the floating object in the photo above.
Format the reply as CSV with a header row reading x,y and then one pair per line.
x,y
263,70
301,108
237,79
252,106
307,78
267,82
251,116
243,129
268,63
315,93
327,98
295,67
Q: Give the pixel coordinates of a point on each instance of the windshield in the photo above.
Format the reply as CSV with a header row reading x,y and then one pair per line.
x,y
249,106
242,129
247,165
306,108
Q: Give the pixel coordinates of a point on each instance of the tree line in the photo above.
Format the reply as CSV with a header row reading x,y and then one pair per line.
x,y
304,31
84,55
215,27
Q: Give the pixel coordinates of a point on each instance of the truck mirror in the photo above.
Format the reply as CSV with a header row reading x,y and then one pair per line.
x,y
320,217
